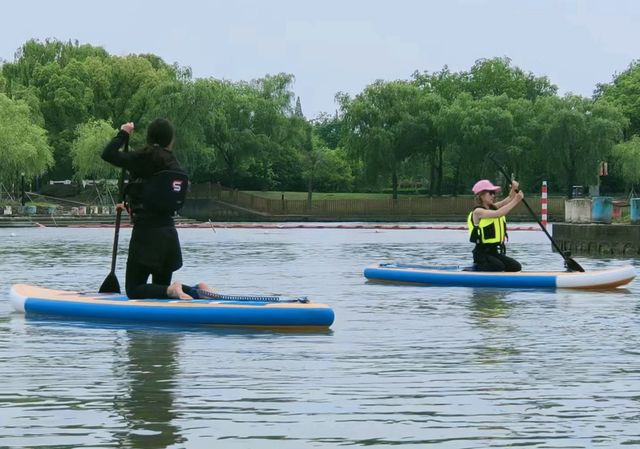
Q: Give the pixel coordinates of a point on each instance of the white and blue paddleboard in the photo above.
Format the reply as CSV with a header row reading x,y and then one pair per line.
x,y
456,276
216,310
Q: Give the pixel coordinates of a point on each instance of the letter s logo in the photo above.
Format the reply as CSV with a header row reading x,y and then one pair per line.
x,y
177,185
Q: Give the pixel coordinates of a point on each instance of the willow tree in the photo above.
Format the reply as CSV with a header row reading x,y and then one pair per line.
x,y
624,92
627,157
24,149
473,129
576,134
71,84
384,126
87,148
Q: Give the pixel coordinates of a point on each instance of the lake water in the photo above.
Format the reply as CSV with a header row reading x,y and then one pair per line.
x,y
402,366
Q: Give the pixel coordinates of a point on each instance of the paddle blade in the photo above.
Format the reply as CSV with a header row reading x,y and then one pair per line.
x,y
110,284
572,265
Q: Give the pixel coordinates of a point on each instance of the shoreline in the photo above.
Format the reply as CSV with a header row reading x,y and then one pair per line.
x,y
35,222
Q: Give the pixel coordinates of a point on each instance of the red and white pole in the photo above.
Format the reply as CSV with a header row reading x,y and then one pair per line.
x,y
543,203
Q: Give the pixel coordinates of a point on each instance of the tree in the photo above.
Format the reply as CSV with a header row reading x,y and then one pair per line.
x,y
133,79
446,84
495,77
329,129
34,54
23,144
472,129
624,92
189,105
86,150
298,111
68,84
276,89
627,156
487,77
383,127
334,172
576,134
229,129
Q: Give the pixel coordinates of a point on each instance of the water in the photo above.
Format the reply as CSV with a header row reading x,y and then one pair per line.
x,y
402,366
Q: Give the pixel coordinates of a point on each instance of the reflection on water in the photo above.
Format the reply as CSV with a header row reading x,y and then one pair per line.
x,y
147,362
489,303
405,366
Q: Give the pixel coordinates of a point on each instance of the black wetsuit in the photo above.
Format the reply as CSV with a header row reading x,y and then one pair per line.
x,y
154,249
492,258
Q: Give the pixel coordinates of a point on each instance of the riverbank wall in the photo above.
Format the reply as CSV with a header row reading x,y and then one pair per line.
x,y
592,239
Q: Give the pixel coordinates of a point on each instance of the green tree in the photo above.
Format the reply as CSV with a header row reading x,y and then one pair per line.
x,y
255,137
487,77
485,109
298,111
624,92
132,83
229,128
472,129
383,128
329,129
627,156
86,150
34,54
277,90
68,84
576,134
334,172
448,85
190,105
23,144
496,76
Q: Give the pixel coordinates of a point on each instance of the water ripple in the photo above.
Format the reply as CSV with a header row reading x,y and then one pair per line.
x,y
402,366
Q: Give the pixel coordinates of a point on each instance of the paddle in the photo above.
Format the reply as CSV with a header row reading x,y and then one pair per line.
x,y
571,264
111,284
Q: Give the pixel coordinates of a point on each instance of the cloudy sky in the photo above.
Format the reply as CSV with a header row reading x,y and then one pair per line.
x,y
343,45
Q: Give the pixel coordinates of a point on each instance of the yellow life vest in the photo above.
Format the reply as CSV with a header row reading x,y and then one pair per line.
x,y
488,231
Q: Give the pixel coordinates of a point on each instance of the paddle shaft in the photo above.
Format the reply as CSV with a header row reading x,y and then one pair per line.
x,y
116,236
111,284
544,229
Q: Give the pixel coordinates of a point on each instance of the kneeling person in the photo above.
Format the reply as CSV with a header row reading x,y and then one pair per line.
x,y
156,191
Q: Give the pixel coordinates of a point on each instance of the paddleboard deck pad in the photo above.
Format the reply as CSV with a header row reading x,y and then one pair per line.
x,y
216,310
456,276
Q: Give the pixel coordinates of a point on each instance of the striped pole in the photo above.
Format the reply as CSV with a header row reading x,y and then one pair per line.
x,y
543,203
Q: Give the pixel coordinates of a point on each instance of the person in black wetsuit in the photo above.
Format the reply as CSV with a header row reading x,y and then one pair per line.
x,y
154,249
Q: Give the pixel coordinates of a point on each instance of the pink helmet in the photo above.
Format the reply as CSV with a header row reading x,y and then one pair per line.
x,y
484,185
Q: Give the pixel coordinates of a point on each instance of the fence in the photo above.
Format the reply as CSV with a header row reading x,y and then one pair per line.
x,y
407,207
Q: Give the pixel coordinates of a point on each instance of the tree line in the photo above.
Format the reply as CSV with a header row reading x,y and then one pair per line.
x,y
60,102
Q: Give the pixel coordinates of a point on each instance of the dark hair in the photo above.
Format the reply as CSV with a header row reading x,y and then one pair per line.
x,y
160,132
477,201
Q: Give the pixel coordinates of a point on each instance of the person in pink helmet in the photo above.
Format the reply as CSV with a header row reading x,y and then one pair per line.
x,y
487,225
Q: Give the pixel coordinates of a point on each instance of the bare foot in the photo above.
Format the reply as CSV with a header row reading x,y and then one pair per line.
x,y
175,291
204,286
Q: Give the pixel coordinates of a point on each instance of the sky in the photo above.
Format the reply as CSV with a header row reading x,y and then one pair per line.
x,y
333,46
